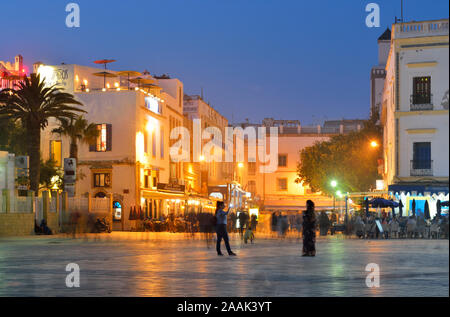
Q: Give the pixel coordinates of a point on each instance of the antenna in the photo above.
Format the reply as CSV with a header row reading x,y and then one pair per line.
x,y
401,13
401,2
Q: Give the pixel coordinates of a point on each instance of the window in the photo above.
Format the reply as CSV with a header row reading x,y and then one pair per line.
x,y
56,152
104,139
252,187
282,184
282,160
162,143
421,90
422,155
251,168
147,178
153,105
102,179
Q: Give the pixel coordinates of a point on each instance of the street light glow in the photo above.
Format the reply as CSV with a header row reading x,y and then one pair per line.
x,y
333,183
240,164
374,144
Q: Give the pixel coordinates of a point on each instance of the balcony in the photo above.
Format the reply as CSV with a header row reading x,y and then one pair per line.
x,y
421,102
421,168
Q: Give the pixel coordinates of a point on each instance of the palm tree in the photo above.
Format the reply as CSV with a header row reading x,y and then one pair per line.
x,y
77,129
33,103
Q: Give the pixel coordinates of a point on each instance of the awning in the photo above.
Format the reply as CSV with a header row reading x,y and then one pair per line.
x,y
420,189
162,195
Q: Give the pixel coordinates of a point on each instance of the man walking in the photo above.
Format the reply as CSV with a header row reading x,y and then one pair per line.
x,y
221,229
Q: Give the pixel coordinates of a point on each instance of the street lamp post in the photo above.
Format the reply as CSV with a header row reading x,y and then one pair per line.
x,y
334,184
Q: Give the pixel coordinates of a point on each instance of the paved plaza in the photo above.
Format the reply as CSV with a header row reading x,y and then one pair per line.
x,y
140,264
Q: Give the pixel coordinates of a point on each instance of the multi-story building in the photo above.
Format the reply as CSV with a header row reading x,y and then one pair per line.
x,y
130,160
415,109
280,190
212,173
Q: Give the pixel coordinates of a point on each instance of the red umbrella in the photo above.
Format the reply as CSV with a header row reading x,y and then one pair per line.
x,y
104,61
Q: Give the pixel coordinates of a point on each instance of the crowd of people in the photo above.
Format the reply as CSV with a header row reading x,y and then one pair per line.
x,y
399,227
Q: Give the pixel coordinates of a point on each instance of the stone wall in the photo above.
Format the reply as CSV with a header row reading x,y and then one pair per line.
x,y
16,224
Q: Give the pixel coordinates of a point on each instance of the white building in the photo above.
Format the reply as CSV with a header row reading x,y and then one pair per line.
x,y
130,160
415,109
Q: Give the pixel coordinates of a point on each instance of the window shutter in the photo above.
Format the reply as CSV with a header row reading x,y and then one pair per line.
x,y
109,137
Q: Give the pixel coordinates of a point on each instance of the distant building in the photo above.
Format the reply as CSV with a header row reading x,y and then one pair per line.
x,y
11,73
279,191
415,112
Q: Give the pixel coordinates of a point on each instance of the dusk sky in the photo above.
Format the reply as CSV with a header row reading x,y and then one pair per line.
x,y
304,60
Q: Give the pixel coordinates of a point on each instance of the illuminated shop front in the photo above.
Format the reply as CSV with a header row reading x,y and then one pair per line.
x,y
419,195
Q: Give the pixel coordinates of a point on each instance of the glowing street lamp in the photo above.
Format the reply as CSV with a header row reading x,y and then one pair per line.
x,y
373,144
240,164
334,184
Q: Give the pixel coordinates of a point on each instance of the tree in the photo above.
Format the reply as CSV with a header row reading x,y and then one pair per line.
x,y
349,159
32,103
48,171
78,130
13,138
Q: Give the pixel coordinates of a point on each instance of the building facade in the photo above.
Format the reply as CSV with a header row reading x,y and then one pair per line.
x,y
211,173
415,113
280,190
130,160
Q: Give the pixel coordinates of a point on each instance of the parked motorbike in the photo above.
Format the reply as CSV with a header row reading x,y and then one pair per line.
x,y
101,225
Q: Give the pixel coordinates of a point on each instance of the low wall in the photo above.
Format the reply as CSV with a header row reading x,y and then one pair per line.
x,y
16,224
53,222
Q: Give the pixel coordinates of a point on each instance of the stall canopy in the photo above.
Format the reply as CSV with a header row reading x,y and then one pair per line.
x,y
383,203
419,189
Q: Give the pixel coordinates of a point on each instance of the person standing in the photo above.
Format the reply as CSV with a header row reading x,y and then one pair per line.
x,y
309,230
242,223
253,222
324,223
221,228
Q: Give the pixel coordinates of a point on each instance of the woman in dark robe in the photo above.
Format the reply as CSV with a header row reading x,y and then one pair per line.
x,y
309,230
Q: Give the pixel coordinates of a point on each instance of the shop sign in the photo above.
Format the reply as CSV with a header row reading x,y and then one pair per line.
x,y
171,187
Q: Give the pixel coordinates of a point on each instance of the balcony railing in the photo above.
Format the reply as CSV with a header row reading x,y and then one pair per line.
x,y
421,102
421,168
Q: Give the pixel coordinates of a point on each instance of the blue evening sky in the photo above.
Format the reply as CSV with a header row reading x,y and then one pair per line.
x,y
287,59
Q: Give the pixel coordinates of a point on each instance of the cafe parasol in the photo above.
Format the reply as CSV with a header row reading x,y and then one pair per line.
x,y
104,61
426,211
104,75
129,73
141,81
